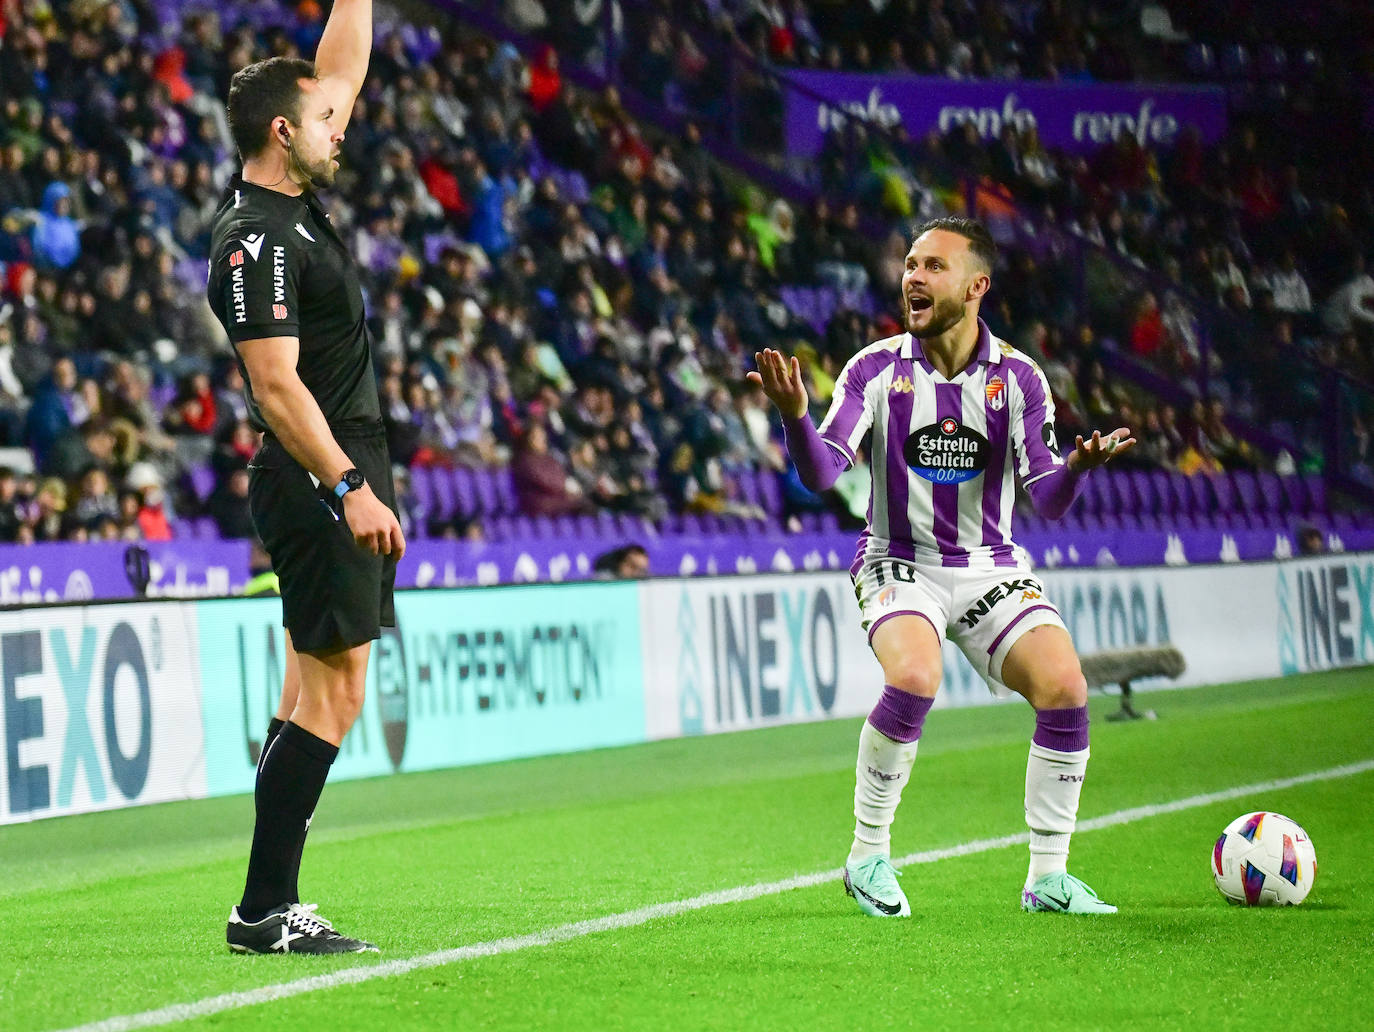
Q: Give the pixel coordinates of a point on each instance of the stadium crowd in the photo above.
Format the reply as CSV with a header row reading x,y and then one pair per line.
x,y
1247,256
551,287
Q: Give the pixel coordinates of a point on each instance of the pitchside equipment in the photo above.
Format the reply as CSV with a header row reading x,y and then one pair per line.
x,y
1264,859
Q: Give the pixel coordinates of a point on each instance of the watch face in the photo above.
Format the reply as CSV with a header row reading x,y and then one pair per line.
x,y
353,479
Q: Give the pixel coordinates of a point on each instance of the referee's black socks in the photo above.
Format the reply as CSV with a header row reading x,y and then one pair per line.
x,y
291,776
274,727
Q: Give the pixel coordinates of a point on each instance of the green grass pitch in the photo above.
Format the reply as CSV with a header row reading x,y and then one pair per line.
x,y
110,915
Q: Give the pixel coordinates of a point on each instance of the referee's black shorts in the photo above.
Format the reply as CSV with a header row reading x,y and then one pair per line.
x,y
334,595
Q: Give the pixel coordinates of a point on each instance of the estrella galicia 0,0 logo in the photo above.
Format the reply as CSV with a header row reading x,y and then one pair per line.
x,y
946,452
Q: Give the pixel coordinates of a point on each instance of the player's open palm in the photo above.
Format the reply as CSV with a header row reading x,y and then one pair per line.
x,y
374,526
781,380
1099,450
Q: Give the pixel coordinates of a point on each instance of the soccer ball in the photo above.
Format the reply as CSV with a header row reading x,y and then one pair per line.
x,y
1264,859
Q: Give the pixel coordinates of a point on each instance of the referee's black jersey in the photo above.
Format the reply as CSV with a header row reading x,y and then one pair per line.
x,y
278,269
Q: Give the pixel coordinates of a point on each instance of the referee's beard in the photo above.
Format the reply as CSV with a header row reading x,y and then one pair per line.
x,y
309,174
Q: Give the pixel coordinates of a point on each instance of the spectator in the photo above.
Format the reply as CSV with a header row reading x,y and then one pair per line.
x,y
228,504
1287,285
1311,541
94,497
153,518
628,562
1351,305
542,483
56,235
11,509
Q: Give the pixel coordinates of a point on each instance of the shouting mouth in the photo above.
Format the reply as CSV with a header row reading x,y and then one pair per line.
x,y
918,303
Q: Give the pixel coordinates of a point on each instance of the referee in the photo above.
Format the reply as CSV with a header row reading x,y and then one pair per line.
x,y
287,292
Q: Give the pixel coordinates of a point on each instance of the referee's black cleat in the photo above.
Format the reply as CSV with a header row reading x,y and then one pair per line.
x,y
296,928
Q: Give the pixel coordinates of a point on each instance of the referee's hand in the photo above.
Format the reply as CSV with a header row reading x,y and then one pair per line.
x,y
374,526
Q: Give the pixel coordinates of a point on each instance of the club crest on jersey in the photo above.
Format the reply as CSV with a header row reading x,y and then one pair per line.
x,y
996,391
946,452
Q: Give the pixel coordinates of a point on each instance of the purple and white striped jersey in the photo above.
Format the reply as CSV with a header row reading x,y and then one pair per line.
x,y
945,454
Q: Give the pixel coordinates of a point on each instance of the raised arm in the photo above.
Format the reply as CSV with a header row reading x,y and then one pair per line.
x,y
342,57
818,464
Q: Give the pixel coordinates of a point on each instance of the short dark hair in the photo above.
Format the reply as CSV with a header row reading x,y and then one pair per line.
x,y
980,241
259,93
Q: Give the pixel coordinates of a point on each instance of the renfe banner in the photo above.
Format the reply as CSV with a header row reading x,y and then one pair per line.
x,y
1074,117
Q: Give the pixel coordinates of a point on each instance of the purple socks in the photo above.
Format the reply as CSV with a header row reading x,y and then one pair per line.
x,y
899,715
1063,730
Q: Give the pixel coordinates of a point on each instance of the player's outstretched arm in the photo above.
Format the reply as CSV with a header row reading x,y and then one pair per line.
x,y
343,55
781,380
818,464
1099,450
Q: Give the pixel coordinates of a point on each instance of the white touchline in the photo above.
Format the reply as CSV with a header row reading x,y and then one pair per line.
x,y
631,918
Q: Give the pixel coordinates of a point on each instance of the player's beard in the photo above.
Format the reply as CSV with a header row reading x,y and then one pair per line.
x,y
945,314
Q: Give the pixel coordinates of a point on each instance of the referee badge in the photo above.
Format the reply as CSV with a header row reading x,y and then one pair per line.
x,y
996,391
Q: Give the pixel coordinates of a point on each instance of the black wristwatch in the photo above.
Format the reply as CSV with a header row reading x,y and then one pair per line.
x,y
351,480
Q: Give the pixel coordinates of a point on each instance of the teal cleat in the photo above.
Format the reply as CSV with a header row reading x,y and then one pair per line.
x,y
873,884
1062,893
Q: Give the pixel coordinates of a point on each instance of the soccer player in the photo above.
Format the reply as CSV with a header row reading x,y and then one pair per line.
x,y
287,292
957,417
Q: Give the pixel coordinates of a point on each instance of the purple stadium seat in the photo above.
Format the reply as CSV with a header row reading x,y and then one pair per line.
x,y
605,524
829,523
544,527
1235,61
522,527
1200,60
1146,497
748,484
206,529
1166,499
1224,490
444,503
564,527
505,491
1090,497
1123,487
770,491
464,492
1272,497
485,495
500,528
422,486
1108,500
1295,494
1272,61
1316,493
202,481
1247,490
1204,498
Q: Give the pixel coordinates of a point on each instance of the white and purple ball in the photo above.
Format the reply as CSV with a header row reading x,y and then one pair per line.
x,y
1264,859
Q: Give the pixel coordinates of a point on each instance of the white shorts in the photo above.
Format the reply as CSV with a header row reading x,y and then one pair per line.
x,y
984,612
